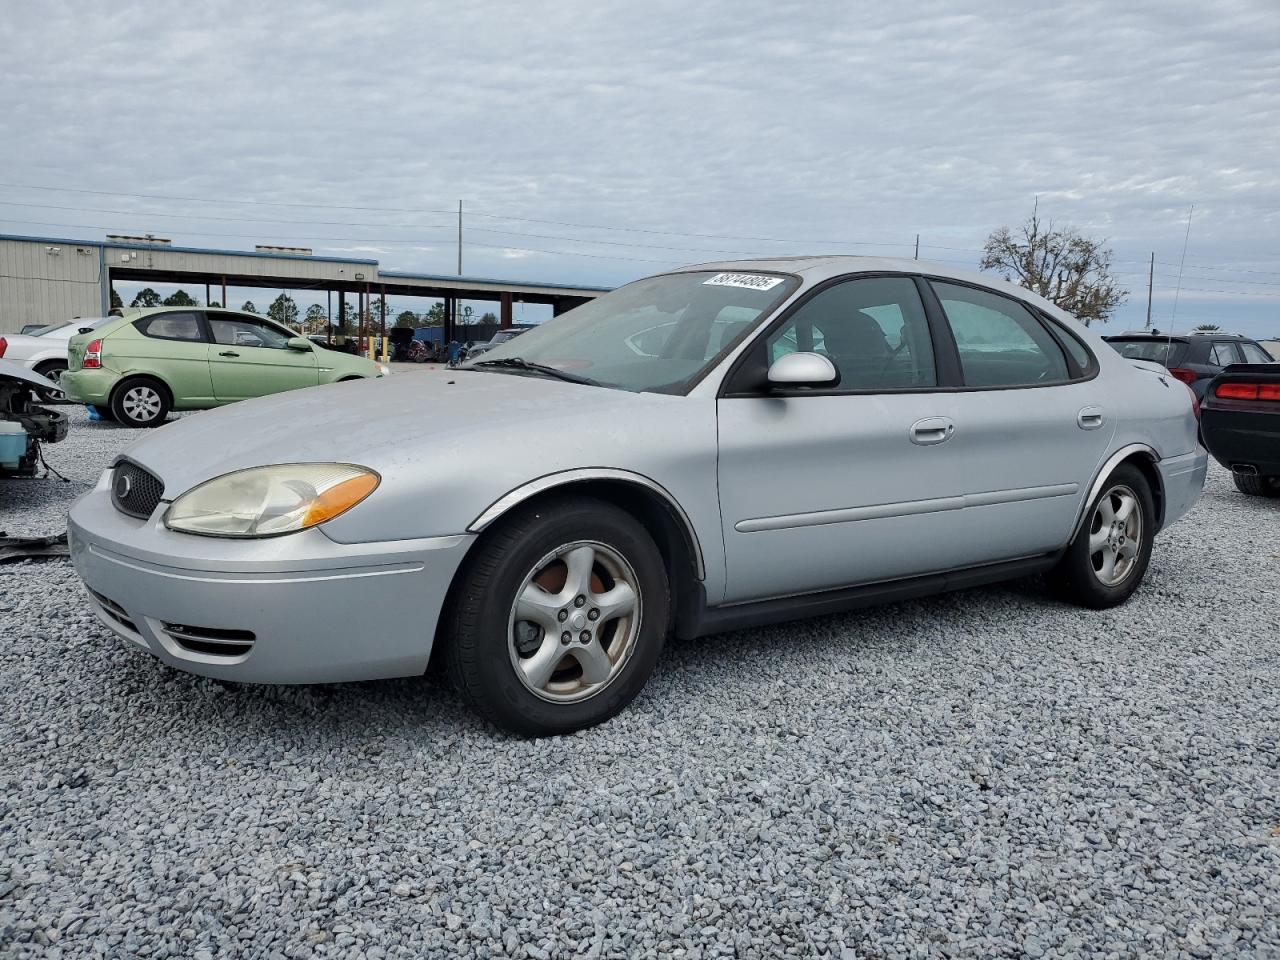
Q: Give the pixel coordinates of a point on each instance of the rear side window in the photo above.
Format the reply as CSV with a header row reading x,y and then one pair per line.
x,y
1223,353
1079,352
171,326
1170,353
1001,343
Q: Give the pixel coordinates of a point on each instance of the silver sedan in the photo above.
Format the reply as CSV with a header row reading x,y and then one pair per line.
x,y
711,448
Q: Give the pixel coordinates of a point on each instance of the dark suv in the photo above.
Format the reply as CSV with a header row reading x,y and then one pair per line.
x,y
1194,358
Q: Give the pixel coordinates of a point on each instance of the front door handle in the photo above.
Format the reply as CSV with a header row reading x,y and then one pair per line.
x,y
1090,418
932,430
228,353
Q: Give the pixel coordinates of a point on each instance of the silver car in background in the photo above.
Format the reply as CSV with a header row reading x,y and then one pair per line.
x,y
707,449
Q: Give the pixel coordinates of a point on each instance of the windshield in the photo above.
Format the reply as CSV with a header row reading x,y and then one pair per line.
x,y
658,334
1168,353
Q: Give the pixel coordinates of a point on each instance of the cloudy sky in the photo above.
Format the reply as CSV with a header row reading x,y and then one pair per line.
x,y
599,141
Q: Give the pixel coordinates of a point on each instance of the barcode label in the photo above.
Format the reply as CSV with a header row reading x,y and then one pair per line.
x,y
752,281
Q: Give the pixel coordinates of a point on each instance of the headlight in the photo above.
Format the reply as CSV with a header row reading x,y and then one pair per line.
x,y
269,501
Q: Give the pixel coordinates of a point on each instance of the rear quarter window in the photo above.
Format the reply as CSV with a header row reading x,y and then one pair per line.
x,y
171,326
1159,351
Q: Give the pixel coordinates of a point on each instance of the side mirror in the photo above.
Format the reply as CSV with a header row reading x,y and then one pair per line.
x,y
299,343
803,370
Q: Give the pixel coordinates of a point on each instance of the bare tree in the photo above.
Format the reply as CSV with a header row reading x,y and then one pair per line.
x,y
1070,271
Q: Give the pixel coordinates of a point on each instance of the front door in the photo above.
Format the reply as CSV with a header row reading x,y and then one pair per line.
x,y
250,357
860,483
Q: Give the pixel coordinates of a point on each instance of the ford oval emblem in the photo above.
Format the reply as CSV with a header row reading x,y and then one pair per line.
x,y
124,486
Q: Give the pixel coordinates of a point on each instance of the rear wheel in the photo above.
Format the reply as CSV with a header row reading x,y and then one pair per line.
x,y
1256,486
140,402
53,370
1108,558
558,620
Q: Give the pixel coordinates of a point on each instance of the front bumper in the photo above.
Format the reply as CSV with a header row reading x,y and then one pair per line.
x,y
293,609
1182,479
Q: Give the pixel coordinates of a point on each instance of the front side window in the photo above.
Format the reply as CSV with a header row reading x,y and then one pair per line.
x,y
1255,354
234,330
1001,343
659,334
178,325
873,329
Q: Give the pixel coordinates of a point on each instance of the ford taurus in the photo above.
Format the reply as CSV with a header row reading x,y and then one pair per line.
x,y
702,450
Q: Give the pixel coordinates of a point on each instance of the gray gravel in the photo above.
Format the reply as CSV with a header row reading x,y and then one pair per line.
x,y
981,774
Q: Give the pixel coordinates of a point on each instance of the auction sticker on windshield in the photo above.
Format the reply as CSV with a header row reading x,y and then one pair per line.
x,y
752,281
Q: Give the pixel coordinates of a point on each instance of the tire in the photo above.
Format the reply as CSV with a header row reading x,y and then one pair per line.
x,y
140,402
497,660
53,369
1256,486
1081,576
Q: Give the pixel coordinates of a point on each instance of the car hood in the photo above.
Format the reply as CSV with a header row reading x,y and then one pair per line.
x,y
18,372
445,443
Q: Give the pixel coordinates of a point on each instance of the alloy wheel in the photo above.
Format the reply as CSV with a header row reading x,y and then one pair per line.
x,y
575,622
1115,535
141,403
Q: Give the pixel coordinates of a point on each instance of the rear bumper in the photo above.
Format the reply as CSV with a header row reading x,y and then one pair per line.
x,y
1182,479
88,386
1245,438
295,609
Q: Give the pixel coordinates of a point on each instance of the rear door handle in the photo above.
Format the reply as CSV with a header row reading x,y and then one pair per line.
x,y
932,430
1090,418
228,353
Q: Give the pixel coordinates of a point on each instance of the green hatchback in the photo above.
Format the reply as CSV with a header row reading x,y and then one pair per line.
x,y
148,362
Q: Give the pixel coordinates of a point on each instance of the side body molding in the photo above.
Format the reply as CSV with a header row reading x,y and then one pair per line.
x,y
566,477
1110,464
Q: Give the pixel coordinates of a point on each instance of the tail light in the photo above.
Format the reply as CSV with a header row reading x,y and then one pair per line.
x,y
4,345
1247,391
92,356
1183,374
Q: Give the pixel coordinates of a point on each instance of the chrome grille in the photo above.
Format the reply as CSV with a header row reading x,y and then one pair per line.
x,y
135,491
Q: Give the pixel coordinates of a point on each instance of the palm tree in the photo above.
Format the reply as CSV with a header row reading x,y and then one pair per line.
x,y
1209,328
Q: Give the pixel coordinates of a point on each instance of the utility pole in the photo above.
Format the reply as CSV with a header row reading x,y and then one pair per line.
x,y
917,246
1151,276
459,238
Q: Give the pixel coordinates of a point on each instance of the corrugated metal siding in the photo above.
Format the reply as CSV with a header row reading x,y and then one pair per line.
x,y
37,286
299,268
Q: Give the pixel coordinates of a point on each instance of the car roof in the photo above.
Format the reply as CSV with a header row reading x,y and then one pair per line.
x,y
816,269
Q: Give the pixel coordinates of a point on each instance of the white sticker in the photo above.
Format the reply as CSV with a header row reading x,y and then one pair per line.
x,y
752,281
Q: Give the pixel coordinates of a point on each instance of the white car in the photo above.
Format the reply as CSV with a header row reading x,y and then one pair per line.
x,y
46,352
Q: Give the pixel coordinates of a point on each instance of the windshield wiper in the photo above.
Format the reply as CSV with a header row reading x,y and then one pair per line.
x,y
520,363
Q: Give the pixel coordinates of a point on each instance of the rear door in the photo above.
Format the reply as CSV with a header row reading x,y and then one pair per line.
x,y
1033,423
250,357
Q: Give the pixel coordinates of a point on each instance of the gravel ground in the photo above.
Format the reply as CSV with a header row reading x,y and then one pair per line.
x,y
981,774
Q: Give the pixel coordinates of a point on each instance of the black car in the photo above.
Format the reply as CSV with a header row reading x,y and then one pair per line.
x,y
1240,421
1194,358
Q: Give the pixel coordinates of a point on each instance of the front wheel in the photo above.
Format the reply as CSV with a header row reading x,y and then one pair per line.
x,y
1108,557
558,620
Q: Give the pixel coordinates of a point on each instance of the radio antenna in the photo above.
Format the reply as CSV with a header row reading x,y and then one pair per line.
x,y
1178,289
